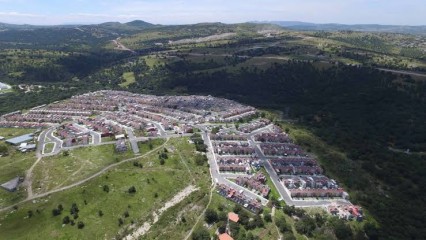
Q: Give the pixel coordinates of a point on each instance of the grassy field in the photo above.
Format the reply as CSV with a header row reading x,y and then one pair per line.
x,y
154,183
129,78
60,170
11,166
14,132
48,147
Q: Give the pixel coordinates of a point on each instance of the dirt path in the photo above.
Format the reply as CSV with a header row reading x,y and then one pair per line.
x,y
156,215
202,214
403,72
120,46
28,182
32,197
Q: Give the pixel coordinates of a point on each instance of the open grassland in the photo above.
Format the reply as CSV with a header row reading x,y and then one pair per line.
x,y
154,183
15,164
129,78
11,166
14,132
74,165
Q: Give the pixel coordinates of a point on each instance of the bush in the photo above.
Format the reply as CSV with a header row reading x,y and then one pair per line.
x,y
268,217
132,189
80,225
120,222
74,209
56,212
200,233
66,220
210,216
106,188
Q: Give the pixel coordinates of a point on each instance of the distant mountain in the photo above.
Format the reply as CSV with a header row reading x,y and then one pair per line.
x,y
130,26
295,25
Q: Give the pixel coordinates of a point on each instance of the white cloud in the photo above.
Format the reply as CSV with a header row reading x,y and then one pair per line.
x,y
18,14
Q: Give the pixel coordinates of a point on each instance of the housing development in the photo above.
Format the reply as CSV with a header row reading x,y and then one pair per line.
x,y
247,154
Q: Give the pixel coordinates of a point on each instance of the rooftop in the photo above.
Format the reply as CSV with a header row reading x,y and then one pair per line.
x,y
20,139
225,236
233,217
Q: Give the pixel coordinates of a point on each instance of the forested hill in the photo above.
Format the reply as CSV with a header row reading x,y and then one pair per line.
x,y
418,30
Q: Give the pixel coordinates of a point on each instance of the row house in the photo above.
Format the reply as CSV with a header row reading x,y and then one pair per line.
x,y
294,161
255,184
227,137
300,193
61,112
281,149
315,182
254,125
296,170
239,198
273,138
234,164
12,124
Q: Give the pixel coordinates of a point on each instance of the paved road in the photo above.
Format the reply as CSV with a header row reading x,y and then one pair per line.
x,y
56,140
132,140
96,137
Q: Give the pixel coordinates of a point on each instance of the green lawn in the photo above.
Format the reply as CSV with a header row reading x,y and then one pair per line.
x,y
129,78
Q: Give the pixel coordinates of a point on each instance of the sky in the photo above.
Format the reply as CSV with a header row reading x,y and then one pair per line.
x,y
51,12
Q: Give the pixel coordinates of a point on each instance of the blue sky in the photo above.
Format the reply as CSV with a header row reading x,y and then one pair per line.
x,y
398,12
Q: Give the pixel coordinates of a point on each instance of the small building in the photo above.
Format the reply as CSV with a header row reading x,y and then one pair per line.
x,y
225,236
121,146
120,136
21,139
233,217
11,185
27,147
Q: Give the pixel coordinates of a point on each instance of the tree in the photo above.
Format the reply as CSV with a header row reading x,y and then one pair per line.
x,y
56,212
132,189
74,209
120,222
306,225
210,216
282,224
80,225
268,217
200,233
66,220
30,214
221,227
100,213
106,188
